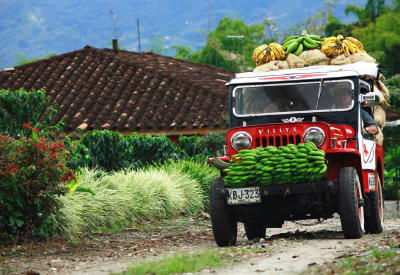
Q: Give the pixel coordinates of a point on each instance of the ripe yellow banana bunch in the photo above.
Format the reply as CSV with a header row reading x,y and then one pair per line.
x,y
335,46
266,53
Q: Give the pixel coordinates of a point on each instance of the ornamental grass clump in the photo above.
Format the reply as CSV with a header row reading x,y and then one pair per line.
x,y
122,198
199,171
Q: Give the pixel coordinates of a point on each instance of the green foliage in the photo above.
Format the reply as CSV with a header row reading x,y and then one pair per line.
x,y
229,46
22,60
334,27
210,145
112,151
180,263
391,190
21,109
375,261
105,149
314,24
199,171
372,10
122,198
382,40
145,150
32,175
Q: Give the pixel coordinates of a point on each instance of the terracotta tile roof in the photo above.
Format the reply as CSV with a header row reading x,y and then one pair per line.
x,y
127,91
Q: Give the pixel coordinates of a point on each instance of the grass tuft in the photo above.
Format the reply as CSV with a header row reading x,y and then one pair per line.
x,y
122,198
180,263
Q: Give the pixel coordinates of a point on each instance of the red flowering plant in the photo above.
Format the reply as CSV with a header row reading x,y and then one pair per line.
x,y
33,174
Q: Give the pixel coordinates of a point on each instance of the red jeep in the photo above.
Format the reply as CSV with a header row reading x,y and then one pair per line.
x,y
320,104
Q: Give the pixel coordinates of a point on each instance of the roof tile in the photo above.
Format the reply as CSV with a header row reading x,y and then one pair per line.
x,y
99,88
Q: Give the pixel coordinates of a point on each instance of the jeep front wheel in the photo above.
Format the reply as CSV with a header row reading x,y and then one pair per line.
x,y
351,202
223,223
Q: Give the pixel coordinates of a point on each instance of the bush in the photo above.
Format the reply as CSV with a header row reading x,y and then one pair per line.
x,y
124,197
391,190
105,149
147,150
112,151
20,110
209,145
32,176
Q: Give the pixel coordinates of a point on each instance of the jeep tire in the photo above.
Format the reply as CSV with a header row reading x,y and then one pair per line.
x,y
224,225
351,208
374,213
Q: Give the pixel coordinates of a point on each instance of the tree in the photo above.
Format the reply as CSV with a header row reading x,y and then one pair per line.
x,y
314,24
229,46
382,40
334,27
372,10
21,59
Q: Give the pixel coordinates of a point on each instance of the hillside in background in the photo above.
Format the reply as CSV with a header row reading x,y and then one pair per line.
x,y
30,29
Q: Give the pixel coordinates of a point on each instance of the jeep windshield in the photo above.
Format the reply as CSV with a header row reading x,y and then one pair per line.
x,y
282,98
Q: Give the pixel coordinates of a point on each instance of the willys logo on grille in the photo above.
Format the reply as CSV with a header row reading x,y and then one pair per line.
x,y
293,119
280,130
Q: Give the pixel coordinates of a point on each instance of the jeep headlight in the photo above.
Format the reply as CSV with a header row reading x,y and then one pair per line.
x,y
315,135
241,140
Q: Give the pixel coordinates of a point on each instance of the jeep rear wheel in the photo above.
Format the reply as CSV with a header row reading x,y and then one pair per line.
x,y
254,230
374,215
223,223
351,208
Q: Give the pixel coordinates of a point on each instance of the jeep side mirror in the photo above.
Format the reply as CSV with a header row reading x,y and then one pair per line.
x,y
371,98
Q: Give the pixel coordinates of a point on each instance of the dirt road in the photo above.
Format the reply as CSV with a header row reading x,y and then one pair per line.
x,y
288,250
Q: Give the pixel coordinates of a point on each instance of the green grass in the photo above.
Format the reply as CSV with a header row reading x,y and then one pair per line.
x,y
376,261
181,263
201,172
127,197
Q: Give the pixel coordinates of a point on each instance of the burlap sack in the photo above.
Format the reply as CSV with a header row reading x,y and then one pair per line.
x,y
270,66
282,65
340,60
294,61
379,137
361,57
382,95
313,58
384,90
379,116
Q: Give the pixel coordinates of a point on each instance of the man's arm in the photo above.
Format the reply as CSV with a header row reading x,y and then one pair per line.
x,y
370,125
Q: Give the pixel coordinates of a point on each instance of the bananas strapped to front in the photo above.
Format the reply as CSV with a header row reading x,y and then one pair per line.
x,y
338,45
276,165
266,53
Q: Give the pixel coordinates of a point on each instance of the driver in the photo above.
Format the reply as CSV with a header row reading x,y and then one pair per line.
x,y
344,100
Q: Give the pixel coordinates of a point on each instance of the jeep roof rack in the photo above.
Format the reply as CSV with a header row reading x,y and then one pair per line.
x,y
309,73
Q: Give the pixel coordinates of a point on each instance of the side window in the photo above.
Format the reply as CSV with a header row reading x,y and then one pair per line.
x,y
363,90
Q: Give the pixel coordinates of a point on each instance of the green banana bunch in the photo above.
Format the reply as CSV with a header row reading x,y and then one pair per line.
x,y
276,165
297,44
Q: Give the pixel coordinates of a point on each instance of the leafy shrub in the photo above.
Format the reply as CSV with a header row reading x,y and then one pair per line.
x,y
209,145
32,176
124,197
20,110
105,149
112,151
391,190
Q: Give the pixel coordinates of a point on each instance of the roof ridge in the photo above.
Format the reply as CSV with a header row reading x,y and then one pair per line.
x,y
114,53
163,56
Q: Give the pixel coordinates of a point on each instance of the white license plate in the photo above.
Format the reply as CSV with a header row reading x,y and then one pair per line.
x,y
244,195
